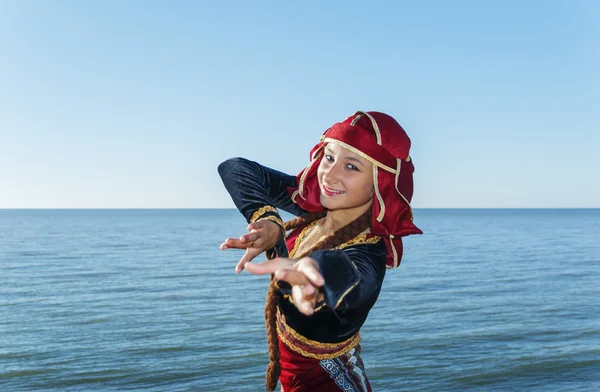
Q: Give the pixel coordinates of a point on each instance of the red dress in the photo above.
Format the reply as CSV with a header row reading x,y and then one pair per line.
x,y
310,365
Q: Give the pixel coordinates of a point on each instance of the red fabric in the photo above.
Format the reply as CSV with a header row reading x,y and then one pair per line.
x,y
302,374
291,238
396,190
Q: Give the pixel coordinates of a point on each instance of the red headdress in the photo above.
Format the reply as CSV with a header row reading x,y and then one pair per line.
x,y
378,138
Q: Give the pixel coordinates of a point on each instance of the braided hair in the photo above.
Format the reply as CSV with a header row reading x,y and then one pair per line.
x,y
334,240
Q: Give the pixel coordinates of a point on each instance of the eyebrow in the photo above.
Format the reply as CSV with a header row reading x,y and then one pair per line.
x,y
352,159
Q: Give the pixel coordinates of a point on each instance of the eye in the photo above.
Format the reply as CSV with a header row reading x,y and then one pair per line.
x,y
329,158
352,167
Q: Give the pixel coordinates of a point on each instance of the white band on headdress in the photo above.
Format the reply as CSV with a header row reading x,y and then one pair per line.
x,y
394,251
355,120
379,198
375,126
359,153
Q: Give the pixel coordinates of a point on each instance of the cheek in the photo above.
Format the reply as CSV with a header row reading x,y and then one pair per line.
x,y
319,175
367,189
320,171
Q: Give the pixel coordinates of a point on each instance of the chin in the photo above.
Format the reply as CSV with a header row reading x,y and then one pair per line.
x,y
326,203
330,204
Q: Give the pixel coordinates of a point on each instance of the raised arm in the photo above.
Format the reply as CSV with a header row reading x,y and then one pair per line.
x,y
253,186
257,192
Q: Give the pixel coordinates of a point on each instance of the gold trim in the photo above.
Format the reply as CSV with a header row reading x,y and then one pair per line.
x,y
315,356
272,218
394,250
379,198
296,192
355,120
311,342
341,347
261,211
289,298
305,172
359,240
398,168
375,127
360,153
347,291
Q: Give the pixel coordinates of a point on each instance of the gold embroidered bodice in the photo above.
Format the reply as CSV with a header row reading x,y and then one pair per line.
x,y
315,232
308,238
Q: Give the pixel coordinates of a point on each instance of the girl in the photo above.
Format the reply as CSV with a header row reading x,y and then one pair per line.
x,y
352,204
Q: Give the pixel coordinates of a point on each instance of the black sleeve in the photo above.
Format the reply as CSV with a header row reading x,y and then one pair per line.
x,y
258,191
352,275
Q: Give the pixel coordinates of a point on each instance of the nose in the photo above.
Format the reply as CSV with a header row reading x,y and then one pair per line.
x,y
332,173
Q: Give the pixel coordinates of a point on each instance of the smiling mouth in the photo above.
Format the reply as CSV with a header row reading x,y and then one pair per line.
x,y
330,192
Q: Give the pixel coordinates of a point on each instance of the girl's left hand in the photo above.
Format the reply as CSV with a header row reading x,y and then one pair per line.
x,y
303,274
263,235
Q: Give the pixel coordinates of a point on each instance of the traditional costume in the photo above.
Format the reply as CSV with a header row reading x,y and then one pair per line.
x,y
322,352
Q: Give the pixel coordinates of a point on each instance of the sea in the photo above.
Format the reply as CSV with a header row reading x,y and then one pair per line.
x,y
144,300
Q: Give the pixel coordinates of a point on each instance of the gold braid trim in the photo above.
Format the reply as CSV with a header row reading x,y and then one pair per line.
x,y
288,335
347,291
273,218
261,211
358,240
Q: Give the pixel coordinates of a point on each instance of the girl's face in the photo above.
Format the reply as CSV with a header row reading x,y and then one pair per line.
x,y
345,180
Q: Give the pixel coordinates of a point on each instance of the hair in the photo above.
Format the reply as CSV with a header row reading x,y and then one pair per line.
x,y
340,236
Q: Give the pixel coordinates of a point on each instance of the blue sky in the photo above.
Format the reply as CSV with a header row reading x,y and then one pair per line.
x,y
132,104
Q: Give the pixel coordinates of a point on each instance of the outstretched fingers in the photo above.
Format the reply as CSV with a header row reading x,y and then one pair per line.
x,y
234,243
292,276
269,266
248,256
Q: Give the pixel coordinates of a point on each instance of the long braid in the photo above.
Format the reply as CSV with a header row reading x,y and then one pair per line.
x,y
340,236
303,220
344,234
274,367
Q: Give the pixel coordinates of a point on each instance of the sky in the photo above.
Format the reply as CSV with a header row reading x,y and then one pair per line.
x,y
133,104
